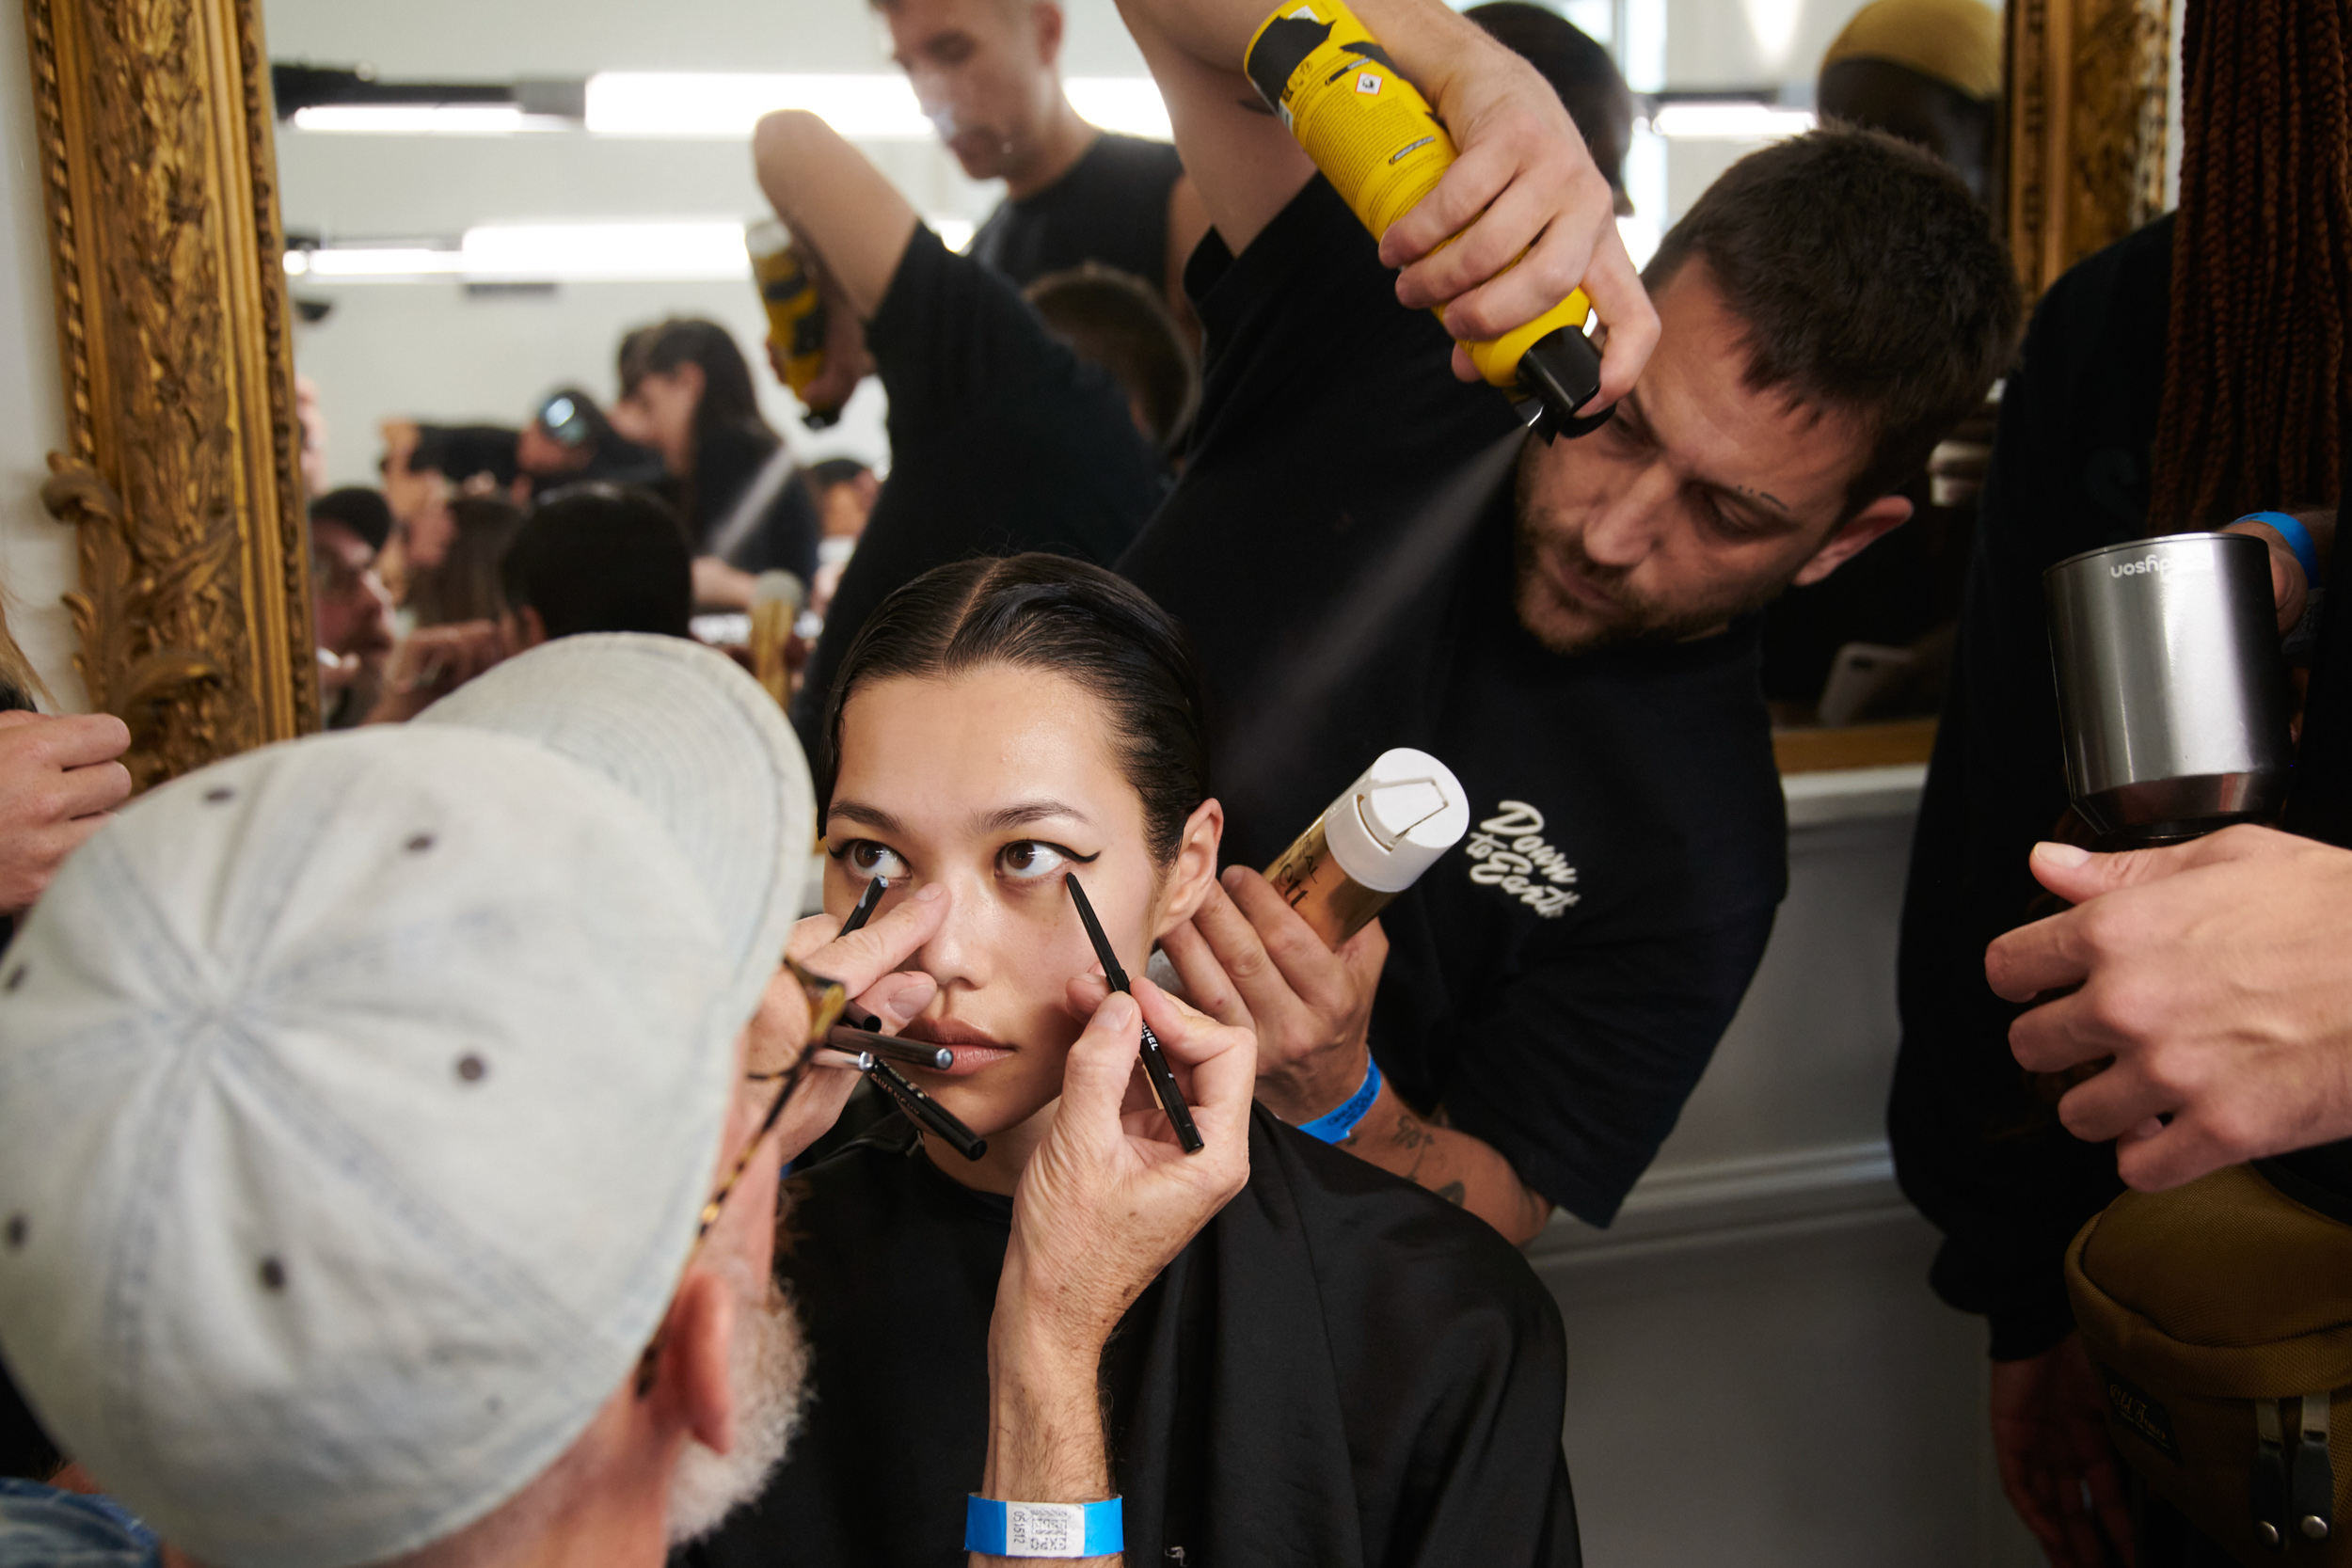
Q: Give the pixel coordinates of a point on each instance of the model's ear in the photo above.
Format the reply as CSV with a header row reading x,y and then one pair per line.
x,y
1193,871
1047,18
1880,517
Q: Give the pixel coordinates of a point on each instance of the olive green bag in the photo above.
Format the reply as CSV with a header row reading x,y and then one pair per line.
x,y
2218,1317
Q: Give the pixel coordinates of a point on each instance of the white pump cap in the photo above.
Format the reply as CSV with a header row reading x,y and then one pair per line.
x,y
1405,811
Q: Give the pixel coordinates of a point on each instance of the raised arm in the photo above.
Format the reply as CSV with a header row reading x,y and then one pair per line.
x,y
839,206
1523,183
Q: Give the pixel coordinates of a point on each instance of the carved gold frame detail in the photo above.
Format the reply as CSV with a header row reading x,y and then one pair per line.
x,y
2086,127
180,476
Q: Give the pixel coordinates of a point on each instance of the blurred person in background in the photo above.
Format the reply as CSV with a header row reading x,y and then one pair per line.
x,y
845,490
351,612
686,392
312,419
1108,318
1002,439
463,584
570,441
1581,71
986,72
1927,72
596,558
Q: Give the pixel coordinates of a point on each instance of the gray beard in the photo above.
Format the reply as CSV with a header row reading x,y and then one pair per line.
x,y
769,1372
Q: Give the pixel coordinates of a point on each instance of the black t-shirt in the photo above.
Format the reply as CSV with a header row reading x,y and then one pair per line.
x,y
1340,1369
1111,207
727,463
1978,1145
1340,548
1001,441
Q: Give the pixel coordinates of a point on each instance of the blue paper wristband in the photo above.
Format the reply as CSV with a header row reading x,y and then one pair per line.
x,y
1334,1125
1043,1530
2298,539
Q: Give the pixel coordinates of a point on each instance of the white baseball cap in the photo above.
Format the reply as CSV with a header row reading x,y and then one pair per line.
x,y
357,1096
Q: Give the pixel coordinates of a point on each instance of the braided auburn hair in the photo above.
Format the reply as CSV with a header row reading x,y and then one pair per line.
x,y
2262,252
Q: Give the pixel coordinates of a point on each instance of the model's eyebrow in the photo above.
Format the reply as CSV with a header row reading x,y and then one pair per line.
x,y
866,815
1005,817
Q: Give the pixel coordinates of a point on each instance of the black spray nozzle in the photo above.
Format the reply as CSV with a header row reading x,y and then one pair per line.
x,y
1561,372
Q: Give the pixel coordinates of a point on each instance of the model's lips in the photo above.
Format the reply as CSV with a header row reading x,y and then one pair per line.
x,y
974,1048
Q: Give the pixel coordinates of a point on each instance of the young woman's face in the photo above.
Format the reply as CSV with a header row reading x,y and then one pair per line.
x,y
995,783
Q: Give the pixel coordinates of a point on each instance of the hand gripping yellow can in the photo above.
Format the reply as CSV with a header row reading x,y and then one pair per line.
x,y
1383,149
796,312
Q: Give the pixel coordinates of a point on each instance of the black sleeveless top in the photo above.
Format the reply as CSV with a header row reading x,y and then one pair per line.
x,y
1111,208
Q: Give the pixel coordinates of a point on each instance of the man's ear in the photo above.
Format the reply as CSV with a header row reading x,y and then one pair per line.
x,y
690,1385
1046,17
1193,871
1873,522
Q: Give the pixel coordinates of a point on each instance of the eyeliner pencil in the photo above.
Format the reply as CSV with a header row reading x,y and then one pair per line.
x,y
890,1048
867,903
1155,1059
930,1112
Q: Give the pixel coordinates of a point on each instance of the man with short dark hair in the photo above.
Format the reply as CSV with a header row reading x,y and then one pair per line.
x,y
596,558
985,72
350,611
1371,554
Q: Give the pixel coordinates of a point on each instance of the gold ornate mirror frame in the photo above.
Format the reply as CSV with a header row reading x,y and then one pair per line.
x,y
159,175
2086,122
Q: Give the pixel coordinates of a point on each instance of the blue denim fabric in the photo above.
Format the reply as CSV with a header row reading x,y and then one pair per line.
x,y
43,1528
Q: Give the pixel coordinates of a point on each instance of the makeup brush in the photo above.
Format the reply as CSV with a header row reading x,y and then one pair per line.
x,y
1155,1059
891,1047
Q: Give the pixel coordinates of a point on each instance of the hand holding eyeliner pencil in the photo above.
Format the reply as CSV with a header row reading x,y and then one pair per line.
x,y
870,1047
1154,1060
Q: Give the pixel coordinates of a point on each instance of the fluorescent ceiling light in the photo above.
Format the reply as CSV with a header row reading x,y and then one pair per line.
x,y
714,103
592,251
646,250
424,120
1128,104
877,107
1728,121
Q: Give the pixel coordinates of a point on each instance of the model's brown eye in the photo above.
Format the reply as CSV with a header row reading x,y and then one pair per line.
x,y
1032,860
865,859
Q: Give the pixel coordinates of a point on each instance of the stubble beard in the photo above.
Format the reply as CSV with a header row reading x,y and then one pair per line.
x,y
768,1371
1566,626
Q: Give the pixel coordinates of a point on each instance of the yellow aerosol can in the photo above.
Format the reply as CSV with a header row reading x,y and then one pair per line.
x,y
796,312
1394,822
1383,149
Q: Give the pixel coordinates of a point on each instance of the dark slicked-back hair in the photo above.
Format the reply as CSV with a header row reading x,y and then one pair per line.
x,y
1071,619
599,557
1870,283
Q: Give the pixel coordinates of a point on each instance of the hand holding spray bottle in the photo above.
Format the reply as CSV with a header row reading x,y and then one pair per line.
x,y
1383,149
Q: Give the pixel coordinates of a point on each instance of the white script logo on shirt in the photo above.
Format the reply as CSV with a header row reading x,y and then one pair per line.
x,y
1509,851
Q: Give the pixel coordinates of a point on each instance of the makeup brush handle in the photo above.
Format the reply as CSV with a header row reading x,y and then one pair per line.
x,y
1172,1097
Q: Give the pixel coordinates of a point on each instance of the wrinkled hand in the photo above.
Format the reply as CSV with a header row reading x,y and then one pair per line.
x,y
431,664
58,781
2050,1441
1110,1198
1249,960
1524,183
2212,973
866,964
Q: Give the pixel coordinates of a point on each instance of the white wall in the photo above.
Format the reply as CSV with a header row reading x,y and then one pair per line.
x,y
36,553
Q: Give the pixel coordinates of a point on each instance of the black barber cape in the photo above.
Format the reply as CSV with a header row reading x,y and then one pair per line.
x,y
1339,1369
1002,440
1559,982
